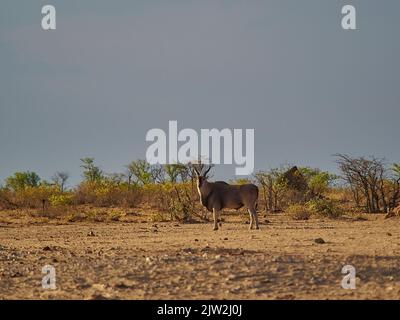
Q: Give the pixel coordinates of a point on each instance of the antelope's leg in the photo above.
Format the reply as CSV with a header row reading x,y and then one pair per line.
x,y
255,214
251,219
215,216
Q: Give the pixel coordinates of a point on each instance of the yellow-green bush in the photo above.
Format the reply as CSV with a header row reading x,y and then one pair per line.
x,y
32,197
59,200
170,200
106,193
325,208
158,196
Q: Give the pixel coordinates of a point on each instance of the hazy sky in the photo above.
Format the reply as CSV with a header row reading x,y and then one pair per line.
x,y
115,69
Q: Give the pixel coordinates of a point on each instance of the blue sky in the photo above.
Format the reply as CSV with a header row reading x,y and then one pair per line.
x,y
115,69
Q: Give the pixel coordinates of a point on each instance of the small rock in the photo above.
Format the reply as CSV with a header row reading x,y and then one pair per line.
x,y
46,248
121,285
389,234
196,240
91,233
225,239
319,241
16,274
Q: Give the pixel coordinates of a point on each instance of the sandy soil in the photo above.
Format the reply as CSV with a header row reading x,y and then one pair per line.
x,y
142,260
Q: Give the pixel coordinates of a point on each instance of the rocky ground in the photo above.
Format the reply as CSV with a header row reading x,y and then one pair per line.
x,y
286,259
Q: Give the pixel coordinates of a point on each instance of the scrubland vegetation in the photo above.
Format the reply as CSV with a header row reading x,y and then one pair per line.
x,y
124,236
168,193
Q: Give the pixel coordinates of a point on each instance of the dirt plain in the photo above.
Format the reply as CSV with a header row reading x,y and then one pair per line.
x,y
138,259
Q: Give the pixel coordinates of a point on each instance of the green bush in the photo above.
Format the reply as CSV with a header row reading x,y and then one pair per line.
x,y
325,208
22,180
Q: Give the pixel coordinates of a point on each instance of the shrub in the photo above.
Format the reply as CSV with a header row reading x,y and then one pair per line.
x,y
60,200
116,215
156,196
182,202
298,212
159,217
107,193
170,199
6,199
324,207
76,216
32,197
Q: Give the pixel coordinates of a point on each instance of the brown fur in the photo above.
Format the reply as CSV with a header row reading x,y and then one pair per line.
x,y
216,196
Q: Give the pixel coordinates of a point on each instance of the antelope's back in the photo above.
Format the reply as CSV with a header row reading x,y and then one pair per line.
x,y
245,194
250,190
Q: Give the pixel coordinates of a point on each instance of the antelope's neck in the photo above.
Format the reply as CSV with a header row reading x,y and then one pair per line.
x,y
203,191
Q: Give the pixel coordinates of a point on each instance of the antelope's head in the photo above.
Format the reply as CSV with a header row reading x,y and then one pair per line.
x,y
201,174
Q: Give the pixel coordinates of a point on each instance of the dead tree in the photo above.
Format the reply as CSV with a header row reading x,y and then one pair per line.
x,y
366,176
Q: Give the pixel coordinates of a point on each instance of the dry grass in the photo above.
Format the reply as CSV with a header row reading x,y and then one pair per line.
x,y
298,212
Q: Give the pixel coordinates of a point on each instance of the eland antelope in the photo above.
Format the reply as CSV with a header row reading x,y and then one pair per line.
x,y
218,195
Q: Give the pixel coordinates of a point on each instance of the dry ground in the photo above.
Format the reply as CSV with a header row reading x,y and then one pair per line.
x,y
136,259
